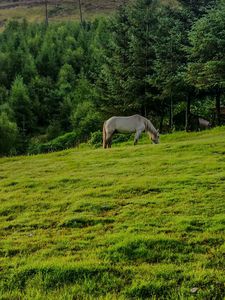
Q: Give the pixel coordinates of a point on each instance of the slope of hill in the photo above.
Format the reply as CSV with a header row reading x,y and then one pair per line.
x,y
129,222
34,10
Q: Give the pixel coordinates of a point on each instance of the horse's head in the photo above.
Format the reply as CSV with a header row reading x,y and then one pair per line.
x,y
155,137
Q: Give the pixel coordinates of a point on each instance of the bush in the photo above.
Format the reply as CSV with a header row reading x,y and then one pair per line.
x,y
96,139
120,138
63,142
85,119
54,130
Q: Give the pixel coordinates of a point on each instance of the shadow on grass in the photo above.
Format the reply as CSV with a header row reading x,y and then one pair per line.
x,y
84,222
96,280
151,251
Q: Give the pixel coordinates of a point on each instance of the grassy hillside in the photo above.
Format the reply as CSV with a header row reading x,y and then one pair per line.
x,y
123,223
34,10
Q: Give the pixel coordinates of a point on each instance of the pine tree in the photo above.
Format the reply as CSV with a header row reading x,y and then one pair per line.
x,y
143,22
21,106
114,71
198,7
170,61
8,134
207,60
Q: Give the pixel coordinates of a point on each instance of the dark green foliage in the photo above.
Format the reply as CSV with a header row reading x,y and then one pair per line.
x,y
119,138
114,72
45,99
198,7
206,69
53,130
21,105
207,60
171,60
96,139
85,119
130,59
65,141
8,135
44,77
142,55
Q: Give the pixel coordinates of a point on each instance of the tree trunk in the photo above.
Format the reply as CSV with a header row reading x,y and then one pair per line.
x,y
171,112
218,107
161,122
187,113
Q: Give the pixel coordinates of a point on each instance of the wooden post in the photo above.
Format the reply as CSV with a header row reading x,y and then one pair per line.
x,y
80,9
46,12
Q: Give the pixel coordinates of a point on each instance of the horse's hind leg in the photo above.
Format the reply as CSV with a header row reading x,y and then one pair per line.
x,y
110,143
109,136
137,136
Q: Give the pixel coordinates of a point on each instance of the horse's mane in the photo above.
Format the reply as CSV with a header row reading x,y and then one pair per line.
x,y
150,127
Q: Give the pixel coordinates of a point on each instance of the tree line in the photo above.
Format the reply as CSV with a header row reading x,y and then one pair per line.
x,y
59,82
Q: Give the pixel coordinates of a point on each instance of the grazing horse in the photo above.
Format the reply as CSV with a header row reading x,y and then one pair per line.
x,y
197,123
204,124
135,123
194,122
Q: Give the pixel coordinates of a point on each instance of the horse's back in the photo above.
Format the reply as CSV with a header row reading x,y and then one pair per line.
x,y
203,123
125,124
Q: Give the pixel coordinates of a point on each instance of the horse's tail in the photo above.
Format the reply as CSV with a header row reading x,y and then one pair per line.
x,y
104,136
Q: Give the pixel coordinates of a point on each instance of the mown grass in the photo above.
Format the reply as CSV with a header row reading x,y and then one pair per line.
x,y
144,222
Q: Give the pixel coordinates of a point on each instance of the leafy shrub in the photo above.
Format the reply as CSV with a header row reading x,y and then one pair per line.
x,y
65,141
85,119
120,138
53,130
96,139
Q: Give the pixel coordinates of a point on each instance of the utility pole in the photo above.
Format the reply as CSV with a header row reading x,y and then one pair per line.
x,y
171,95
81,16
46,12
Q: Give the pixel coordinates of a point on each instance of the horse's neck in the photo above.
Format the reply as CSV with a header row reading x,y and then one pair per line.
x,y
150,127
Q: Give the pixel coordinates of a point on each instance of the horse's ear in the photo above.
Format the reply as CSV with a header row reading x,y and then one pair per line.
x,y
158,130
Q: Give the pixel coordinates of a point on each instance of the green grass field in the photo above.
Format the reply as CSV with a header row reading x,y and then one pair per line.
x,y
144,222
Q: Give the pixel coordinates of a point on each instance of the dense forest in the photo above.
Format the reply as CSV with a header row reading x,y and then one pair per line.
x,y
58,83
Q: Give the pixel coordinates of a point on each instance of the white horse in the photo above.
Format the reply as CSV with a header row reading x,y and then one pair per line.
x,y
203,123
135,123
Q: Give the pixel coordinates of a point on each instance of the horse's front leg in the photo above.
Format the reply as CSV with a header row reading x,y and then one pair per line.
x,y
137,136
